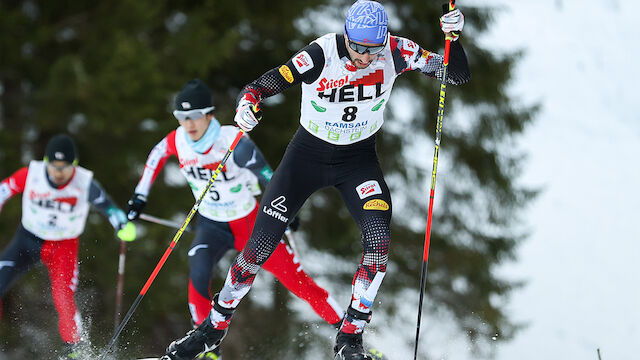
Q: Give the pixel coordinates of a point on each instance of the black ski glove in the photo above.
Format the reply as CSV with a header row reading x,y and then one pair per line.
x,y
135,205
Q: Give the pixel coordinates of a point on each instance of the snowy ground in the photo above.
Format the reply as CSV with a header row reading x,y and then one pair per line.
x,y
581,259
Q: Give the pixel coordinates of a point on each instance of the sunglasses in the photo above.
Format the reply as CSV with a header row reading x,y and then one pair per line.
x,y
192,114
361,49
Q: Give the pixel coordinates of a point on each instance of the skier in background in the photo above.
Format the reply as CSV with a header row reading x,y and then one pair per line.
x,y
55,204
346,82
228,211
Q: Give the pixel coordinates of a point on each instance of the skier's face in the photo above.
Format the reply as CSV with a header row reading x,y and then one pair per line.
x,y
60,172
195,128
361,61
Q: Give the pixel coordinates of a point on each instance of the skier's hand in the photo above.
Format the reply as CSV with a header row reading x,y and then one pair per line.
x,y
135,205
294,224
452,24
127,232
247,116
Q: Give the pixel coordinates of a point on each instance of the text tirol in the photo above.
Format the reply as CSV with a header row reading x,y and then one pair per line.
x,y
349,93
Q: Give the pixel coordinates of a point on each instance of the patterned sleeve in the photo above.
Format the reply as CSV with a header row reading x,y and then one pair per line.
x,y
12,185
305,66
409,56
247,155
155,162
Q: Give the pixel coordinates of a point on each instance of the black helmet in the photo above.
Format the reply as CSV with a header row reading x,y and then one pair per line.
x,y
61,147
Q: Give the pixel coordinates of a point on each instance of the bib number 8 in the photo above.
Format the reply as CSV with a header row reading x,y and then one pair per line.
x,y
349,113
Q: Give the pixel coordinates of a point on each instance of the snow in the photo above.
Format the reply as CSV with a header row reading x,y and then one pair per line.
x,y
580,260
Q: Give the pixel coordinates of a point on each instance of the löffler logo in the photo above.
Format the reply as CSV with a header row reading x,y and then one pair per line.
x,y
278,205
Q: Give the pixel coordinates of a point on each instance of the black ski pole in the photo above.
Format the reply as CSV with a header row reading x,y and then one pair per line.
x,y
425,256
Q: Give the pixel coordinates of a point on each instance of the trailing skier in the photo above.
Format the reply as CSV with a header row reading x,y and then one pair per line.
x,y
227,213
55,204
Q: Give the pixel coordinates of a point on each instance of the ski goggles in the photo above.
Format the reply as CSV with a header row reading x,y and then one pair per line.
x,y
192,114
65,167
362,49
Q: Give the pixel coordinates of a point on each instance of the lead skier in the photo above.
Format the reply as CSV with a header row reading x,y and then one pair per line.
x,y
227,213
55,204
346,82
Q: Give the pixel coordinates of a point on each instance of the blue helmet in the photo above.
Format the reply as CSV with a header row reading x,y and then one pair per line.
x,y
367,22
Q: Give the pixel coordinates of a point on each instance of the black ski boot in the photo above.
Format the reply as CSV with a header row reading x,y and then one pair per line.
x,y
202,339
349,347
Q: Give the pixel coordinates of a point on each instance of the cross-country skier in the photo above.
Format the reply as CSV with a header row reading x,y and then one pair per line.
x,y
227,213
55,204
346,82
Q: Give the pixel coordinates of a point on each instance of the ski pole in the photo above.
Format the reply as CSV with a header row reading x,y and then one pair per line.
x,y
289,234
425,256
120,286
173,243
159,221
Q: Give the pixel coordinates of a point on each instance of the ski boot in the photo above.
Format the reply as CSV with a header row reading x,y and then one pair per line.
x,y
349,347
202,339
215,354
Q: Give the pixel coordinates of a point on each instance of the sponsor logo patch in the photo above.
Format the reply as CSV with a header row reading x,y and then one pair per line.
x,y
368,188
326,84
266,172
302,62
318,107
278,204
276,209
376,204
286,73
193,250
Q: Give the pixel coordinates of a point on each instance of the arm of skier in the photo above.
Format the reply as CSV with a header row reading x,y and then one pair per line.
x,y
409,56
247,155
305,66
102,201
155,162
12,185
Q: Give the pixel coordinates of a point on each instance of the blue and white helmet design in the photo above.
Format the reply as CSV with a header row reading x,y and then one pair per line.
x,y
366,22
